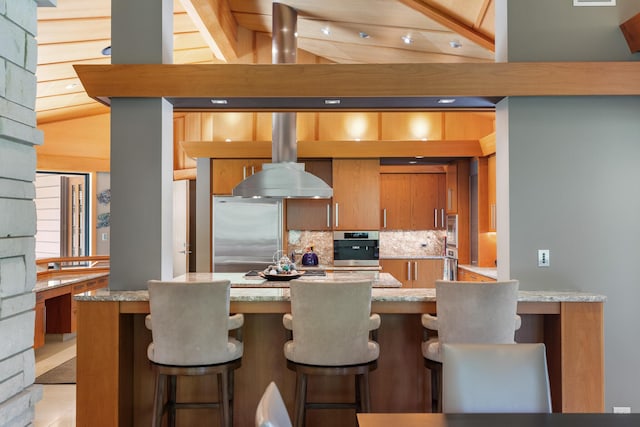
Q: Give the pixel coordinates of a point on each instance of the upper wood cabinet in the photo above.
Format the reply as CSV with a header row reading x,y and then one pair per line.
x,y
395,201
452,188
412,201
227,173
312,214
356,195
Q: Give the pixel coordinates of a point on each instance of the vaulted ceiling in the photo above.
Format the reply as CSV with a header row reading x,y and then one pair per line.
x,y
207,31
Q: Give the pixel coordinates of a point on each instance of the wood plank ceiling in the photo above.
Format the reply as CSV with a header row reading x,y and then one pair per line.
x,y
206,31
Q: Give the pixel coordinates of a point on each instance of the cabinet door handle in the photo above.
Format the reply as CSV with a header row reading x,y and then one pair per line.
x,y
442,224
253,170
337,217
415,270
384,218
328,215
435,218
244,172
408,270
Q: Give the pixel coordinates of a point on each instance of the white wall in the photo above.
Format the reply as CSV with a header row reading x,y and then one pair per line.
x,y
18,135
574,175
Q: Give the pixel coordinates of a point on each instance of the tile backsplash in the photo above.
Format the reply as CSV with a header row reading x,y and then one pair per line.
x,y
392,244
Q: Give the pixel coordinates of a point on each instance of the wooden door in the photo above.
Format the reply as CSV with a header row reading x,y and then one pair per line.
x,y
425,214
426,272
395,201
312,214
398,268
227,173
452,188
356,194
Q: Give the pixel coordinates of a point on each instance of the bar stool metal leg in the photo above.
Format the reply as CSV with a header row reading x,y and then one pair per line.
x,y
158,404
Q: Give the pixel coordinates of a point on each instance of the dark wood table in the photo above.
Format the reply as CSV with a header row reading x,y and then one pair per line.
x,y
498,420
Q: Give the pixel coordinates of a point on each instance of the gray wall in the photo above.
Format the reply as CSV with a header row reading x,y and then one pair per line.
x,y
574,177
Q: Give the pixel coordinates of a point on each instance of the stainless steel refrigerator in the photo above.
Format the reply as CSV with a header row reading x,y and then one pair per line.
x,y
246,233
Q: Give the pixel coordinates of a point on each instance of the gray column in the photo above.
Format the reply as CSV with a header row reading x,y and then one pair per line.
x,y
203,215
141,151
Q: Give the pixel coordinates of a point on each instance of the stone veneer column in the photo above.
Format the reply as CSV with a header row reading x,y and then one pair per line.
x,y
18,135
141,151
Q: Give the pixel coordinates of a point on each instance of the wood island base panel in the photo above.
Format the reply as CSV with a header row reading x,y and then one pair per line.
x,y
115,381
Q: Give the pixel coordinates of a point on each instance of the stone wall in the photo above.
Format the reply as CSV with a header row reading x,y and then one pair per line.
x,y
18,135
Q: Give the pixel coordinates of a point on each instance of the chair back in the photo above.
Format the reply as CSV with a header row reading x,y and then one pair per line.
x,y
189,323
495,378
331,323
271,411
476,312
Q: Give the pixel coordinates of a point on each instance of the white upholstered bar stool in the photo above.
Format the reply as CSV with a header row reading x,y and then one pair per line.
x,y
468,312
190,325
495,378
330,324
271,411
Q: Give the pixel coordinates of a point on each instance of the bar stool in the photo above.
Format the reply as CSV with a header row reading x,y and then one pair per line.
x,y
330,323
190,325
472,313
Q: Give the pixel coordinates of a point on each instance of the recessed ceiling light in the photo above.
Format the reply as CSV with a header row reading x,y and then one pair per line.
x,y
326,31
423,139
455,44
332,101
357,139
419,157
227,140
219,101
446,101
106,51
407,39
412,162
364,35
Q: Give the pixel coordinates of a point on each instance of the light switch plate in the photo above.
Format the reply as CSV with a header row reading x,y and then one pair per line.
x,y
543,258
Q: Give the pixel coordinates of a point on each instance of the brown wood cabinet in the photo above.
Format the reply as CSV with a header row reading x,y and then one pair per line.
x,y
312,214
414,273
412,201
356,195
227,173
470,276
452,188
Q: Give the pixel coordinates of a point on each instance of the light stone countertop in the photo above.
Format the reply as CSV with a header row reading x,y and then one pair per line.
x,y
485,271
270,294
56,281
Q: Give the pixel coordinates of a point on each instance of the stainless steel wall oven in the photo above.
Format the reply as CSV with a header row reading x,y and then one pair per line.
x,y
356,248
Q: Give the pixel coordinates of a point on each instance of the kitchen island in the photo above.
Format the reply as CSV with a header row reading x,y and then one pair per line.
x,y
115,382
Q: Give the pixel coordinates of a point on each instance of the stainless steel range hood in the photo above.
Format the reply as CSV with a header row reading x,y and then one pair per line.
x,y
284,178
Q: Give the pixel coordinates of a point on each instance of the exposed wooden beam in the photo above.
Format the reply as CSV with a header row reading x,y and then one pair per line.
x,y
218,27
361,80
334,149
454,25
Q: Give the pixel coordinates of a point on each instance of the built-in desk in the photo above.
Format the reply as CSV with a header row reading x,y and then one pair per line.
x,y
55,306
115,381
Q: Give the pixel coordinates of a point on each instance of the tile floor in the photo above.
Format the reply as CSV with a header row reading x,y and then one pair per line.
x,y
58,405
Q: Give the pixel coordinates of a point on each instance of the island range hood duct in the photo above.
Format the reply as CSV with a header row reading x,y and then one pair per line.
x,y
284,178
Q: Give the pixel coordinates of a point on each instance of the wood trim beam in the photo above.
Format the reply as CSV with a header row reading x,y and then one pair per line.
x,y
216,24
334,149
451,23
361,80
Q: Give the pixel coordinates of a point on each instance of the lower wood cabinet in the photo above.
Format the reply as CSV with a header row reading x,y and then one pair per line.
x,y
470,276
415,273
